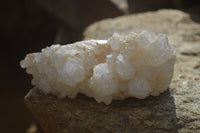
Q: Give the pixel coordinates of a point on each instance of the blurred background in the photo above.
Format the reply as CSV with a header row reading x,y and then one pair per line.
x,y
27,26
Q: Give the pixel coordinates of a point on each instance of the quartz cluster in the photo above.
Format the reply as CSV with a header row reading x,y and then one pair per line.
x,y
132,65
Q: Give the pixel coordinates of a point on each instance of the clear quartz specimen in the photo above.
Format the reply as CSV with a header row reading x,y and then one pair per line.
x,y
133,65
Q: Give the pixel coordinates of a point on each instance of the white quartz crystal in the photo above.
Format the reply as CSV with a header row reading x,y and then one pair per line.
x,y
133,65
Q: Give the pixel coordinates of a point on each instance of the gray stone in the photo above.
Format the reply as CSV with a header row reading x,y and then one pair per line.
x,y
85,115
176,110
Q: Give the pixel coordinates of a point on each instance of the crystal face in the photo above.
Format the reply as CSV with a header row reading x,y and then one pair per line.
x,y
133,65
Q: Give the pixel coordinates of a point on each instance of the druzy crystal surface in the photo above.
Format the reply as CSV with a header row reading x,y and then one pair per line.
x,y
133,65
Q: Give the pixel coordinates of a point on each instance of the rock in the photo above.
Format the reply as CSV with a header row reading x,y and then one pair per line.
x,y
176,110
185,35
85,115
134,65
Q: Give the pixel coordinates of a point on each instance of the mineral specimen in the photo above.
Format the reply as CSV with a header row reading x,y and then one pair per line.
x,y
133,65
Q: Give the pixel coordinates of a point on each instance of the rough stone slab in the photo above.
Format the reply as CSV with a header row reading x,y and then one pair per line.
x,y
177,110
85,115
